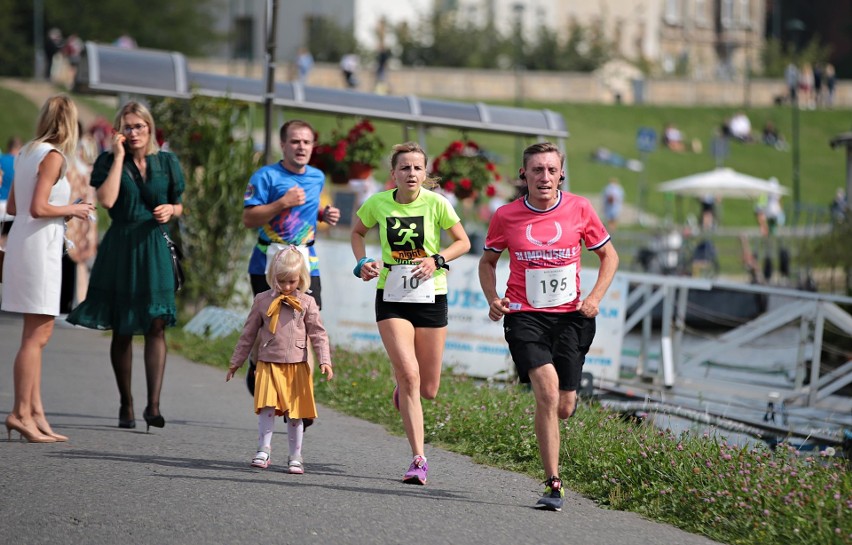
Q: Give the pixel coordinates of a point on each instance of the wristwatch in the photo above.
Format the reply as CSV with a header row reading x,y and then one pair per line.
x,y
440,262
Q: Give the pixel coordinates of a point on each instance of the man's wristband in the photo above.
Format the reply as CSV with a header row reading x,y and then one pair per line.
x,y
357,270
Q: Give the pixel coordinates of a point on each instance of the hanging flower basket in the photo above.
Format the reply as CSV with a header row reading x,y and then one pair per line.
x,y
465,170
350,155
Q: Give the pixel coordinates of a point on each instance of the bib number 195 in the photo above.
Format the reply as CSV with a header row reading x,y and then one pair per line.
x,y
548,288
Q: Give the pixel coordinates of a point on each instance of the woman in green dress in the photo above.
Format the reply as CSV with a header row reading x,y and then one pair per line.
x,y
131,288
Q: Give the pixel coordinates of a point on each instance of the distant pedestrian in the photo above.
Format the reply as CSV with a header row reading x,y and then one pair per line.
x,y
282,319
839,205
613,200
349,67
304,64
381,84
52,46
830,84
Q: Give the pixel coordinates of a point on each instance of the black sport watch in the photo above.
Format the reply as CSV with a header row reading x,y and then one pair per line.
x,y
440,262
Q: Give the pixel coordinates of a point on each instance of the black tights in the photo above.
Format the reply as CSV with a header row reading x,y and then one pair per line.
x,y
121,355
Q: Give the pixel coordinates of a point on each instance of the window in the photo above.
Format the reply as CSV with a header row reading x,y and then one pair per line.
x,y
701,13
745,13
672,14
243,32
727,13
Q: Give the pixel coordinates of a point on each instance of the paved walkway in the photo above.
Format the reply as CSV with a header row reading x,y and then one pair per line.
x,y
190,482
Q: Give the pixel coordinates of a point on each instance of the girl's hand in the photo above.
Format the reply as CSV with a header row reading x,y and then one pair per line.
x,y
164,212
326,369
231,372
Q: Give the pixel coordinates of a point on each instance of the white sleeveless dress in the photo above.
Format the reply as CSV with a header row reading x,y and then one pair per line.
x,y
32,269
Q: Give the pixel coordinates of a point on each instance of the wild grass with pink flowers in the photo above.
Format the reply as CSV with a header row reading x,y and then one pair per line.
x,y
703,484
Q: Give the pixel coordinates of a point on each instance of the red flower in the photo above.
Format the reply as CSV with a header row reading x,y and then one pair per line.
x,y
340,151
490,191
455,147
490,167
466,183
449,185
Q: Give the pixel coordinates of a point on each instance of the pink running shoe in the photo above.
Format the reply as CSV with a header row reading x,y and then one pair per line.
x,y
417,471
396,397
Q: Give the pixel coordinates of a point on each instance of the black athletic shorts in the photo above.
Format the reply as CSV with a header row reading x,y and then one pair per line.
x,y
539,338
259,285
419,314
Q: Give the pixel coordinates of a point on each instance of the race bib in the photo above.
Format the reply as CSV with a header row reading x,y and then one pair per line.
x,y
275,247
401,286
548,288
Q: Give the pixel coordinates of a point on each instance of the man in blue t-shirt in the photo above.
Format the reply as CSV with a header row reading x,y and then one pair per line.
x,y
282,202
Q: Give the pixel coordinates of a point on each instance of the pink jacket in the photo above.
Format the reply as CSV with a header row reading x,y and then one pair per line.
x,y
289,343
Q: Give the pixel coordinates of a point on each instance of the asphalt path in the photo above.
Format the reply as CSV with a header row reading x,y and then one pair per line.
x,y
191,482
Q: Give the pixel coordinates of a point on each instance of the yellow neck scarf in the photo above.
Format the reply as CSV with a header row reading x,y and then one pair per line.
x,y
275,309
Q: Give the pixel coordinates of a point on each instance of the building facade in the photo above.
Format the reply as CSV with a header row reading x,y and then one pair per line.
x,y
701,39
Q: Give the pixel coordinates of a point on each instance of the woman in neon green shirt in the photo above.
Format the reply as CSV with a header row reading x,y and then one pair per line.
x,y
411,299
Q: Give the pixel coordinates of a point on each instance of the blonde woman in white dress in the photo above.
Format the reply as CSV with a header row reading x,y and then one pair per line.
x,y
32,270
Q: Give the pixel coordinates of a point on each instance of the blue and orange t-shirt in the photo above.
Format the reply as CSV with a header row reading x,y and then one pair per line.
x,y
297,225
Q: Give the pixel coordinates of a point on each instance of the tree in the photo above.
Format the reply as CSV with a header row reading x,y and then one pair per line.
x,y
212,138
328,41
189,24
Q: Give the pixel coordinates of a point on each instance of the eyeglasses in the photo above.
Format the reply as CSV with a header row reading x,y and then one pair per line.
x,y
139,127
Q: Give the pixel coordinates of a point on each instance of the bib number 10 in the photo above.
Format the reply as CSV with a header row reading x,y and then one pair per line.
x,y
548,288
401,286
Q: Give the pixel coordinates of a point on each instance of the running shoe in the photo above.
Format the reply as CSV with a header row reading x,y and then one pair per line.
x,y
294,465
553,496
417,471
262,458
396,397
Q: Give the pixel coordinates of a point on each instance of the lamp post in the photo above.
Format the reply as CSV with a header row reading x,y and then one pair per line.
x,y
518,8
845,140
795,27
38,39
271,26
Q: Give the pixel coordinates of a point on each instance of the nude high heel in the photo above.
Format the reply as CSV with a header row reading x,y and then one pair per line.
x,y
45,429
12,423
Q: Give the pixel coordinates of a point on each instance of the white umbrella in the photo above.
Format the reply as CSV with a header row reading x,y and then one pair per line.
x,y
723,182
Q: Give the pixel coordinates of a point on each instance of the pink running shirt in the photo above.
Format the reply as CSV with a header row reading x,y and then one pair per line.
x,y
544,250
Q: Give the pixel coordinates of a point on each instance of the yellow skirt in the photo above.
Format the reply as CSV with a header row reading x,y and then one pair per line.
x,y
288,387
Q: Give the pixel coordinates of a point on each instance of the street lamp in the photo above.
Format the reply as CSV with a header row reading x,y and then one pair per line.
x,y
271,26
795,27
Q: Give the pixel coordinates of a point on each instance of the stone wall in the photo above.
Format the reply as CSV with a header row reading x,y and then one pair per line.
x,y
507,85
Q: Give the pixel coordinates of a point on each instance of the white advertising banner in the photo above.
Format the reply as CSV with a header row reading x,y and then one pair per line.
x,y
475,345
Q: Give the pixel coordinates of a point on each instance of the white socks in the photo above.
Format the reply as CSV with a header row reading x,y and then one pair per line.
x,y
295,432
265,425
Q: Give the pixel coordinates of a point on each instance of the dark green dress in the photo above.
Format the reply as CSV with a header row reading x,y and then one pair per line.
x,y
131,282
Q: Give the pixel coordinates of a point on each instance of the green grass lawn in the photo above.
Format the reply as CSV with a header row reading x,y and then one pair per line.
x,y
17,117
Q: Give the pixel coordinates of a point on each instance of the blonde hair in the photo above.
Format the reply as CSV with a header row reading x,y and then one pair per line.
x,y
137,108
285,263
413,147
57,124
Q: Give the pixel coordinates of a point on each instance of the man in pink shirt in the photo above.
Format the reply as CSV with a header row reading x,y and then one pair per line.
x,y
548,328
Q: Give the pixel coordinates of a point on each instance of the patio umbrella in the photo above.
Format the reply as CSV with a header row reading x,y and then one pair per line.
x,y
723,183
